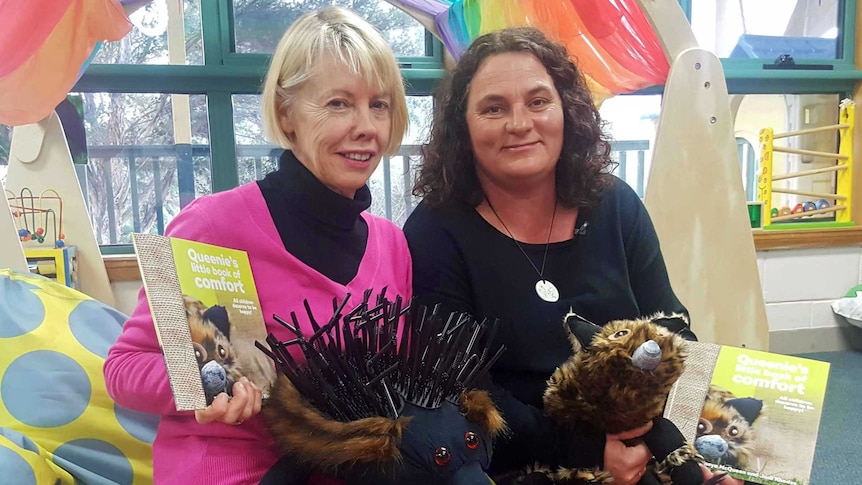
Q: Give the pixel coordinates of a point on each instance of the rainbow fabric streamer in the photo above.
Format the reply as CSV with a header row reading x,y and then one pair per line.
x,y
611,41
44,47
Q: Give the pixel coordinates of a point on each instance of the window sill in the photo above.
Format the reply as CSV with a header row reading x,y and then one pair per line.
x,y
122,268
125,267
808,238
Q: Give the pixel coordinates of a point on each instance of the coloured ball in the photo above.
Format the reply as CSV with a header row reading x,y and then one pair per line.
x,y
822,204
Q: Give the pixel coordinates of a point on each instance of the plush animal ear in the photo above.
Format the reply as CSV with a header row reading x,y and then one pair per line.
x,y
748,407
478,408
676,322
217,315
581,329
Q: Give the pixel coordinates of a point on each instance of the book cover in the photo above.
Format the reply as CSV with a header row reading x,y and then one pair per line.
x,y
207,317
752,414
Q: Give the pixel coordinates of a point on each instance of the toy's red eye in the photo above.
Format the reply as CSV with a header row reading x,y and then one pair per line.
x,y
471,439
442,456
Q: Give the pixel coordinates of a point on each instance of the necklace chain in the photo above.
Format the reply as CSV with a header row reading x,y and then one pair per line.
x,y
547,243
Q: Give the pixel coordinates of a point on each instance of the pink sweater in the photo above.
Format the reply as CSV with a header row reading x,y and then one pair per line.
x,y
185,452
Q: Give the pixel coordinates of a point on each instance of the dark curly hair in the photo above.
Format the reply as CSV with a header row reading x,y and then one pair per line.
x,y
448,173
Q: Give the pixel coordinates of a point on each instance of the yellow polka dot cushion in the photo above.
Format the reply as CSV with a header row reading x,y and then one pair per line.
x,y
57,423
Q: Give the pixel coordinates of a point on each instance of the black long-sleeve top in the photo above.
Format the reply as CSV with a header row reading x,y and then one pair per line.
x,y
612,269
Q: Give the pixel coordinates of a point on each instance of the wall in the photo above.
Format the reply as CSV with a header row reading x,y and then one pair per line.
x,y
799,286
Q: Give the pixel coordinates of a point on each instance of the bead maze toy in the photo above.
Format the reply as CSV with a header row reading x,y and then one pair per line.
x,y
32,217
800,215
39,226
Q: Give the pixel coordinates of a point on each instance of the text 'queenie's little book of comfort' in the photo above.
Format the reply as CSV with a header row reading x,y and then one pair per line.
x,y
207,317
752,414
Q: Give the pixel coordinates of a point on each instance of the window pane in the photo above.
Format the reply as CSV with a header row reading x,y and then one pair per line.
x,y
390,184
156,40
631,122
804,29
259,24
148,156
5,137
785,113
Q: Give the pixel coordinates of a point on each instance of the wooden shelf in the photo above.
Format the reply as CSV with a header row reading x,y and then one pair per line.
x,y
122,268
807,238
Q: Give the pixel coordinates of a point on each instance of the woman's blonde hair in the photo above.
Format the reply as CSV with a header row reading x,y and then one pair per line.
x,y
340,34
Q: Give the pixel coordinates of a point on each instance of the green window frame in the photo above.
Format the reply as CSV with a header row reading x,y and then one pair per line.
x,y
223,74
226,73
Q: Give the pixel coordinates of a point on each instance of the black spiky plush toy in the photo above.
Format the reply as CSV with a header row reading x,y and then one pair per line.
x,y
618,379
374,405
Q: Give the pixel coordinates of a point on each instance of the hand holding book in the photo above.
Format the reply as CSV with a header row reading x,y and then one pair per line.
x,y
243,405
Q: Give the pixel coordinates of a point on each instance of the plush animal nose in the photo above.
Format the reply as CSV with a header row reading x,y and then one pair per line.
x,y
711,446
647,356
470,474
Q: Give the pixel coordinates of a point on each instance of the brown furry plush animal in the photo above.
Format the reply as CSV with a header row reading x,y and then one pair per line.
x,y
210,330
618,379
725,432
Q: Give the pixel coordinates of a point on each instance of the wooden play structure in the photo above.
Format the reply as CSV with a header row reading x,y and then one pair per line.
x,y
40,163
838,203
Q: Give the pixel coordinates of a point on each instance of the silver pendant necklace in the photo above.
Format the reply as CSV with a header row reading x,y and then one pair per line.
x,y
544,288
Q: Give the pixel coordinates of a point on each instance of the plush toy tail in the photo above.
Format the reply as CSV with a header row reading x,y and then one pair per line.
x,y
324,443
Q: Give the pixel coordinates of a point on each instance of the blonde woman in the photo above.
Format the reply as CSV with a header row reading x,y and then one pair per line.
x,y
334,98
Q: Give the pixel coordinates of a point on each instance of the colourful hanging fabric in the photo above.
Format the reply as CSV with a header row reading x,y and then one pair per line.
x,y
44,45
611,41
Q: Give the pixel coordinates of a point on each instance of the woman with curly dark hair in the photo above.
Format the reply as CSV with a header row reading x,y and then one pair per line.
x,y
522,221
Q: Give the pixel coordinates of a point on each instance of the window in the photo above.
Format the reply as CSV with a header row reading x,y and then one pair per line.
x,y
200,69
5,139
162,34
788,113
631,121
149,156
750,37
747,29
173,108
259,24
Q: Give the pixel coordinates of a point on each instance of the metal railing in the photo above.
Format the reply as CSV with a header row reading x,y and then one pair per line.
x,y
146,168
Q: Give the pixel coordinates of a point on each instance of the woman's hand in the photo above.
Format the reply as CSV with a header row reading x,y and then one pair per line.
x,y
244,404
627,463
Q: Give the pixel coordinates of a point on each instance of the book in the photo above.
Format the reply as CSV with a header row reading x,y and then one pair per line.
x,y
207,316
752,414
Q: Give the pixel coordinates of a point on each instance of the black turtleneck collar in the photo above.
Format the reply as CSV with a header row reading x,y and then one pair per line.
x,y
308,196
322,228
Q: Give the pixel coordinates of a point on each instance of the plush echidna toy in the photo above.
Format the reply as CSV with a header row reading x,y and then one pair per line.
x,y
374,405
618,379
